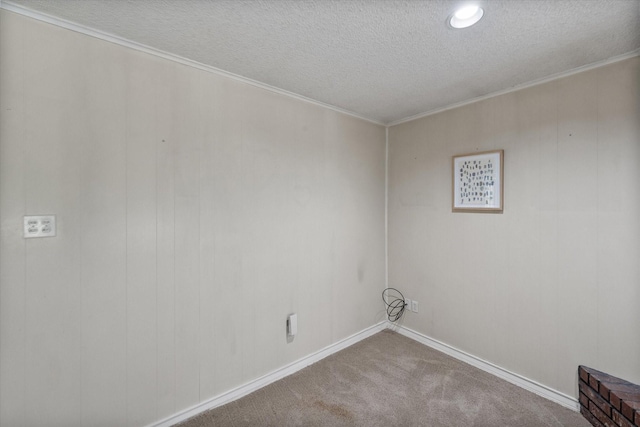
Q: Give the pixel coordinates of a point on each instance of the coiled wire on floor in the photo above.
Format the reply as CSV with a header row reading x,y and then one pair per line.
x,y
394,300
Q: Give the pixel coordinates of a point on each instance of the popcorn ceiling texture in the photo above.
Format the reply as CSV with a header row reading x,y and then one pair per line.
x,y
382,59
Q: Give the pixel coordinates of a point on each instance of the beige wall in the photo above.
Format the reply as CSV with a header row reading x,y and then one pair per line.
x,y
194,214
554,281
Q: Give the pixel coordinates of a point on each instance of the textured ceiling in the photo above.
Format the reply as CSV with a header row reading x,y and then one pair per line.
x,y
382,59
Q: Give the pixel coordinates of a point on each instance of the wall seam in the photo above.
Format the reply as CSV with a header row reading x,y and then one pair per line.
x,y
24,242
557,212
126,250
155,146
386,207
598,171
173,247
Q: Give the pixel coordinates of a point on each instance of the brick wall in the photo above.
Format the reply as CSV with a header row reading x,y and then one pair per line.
x,y
608,401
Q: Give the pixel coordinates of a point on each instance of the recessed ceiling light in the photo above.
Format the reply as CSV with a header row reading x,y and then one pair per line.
x,y
466,16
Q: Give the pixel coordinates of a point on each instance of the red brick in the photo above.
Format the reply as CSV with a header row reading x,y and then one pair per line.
x,y
613,381
609,384
601,416
602,376
611,401
619,419
613,390
584,400
595,398
594,383
608,379
589,416
618,397
630,407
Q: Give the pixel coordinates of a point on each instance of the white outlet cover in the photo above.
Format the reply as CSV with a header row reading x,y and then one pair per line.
x,y
39,226
414,306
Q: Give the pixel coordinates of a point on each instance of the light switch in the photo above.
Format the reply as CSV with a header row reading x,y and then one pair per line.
x,y
39,226
292,325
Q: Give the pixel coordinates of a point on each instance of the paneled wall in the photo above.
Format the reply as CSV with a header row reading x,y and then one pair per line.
x,y
554,281
194,212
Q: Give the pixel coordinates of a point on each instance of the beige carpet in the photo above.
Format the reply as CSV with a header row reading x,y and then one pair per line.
x,y
390,380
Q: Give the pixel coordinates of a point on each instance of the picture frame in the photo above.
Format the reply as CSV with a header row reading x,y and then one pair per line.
x,y
478,182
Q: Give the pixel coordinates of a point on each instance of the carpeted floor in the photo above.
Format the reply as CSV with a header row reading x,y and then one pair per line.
x,y
389,380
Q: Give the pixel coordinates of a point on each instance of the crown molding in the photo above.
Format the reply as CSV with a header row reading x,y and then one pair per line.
x,y
21,10
111,38
516,88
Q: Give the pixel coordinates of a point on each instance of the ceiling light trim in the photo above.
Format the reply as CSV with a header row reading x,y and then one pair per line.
x,y
455,22
522,86
111,38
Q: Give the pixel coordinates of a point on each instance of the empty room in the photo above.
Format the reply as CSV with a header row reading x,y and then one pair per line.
x,y
319,213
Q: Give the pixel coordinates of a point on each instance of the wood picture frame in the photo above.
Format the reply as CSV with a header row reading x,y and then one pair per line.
x,y
478,182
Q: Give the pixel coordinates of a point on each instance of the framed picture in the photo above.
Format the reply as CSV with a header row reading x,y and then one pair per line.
x,y
478,182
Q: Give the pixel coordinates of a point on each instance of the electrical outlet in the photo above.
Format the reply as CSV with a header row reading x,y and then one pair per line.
x,y
39,226
414,306
407,306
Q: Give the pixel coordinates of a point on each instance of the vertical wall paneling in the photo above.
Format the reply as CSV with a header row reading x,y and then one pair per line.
x,y
534,226
358,173
577,218
618,238
104,240
322,223
225,169
548,284
12,207
141,140
269,139
308,219
53,118
209,289
194,213
264,198
165,240
188,137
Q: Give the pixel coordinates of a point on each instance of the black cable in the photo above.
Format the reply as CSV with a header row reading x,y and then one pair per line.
x,y
395,305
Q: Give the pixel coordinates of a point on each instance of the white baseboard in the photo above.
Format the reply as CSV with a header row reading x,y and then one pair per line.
x,y
269,378
243,390
527,384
